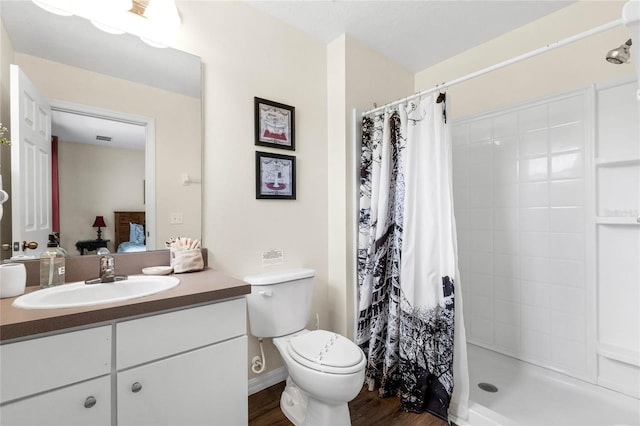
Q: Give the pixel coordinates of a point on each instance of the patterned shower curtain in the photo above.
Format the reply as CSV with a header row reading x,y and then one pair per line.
x,y
410,312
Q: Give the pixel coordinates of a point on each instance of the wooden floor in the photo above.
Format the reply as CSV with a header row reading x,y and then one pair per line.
x,y
366,410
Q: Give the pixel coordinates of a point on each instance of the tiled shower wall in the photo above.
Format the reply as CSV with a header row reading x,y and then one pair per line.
x,y
519,190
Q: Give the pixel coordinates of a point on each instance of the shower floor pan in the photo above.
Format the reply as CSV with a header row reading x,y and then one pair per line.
x,y
529,395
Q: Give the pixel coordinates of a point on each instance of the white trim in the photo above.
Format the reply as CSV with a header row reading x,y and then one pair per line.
x,y
267,379
149,155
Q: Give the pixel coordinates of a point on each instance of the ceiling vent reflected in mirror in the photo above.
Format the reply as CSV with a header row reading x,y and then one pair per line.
x,y
154,21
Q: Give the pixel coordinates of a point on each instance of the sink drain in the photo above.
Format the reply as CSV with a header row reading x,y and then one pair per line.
x,y
488,387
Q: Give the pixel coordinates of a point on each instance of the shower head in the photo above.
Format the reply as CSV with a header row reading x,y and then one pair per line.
x,y
620,55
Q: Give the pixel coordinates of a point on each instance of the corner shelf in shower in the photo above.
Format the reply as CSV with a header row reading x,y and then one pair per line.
x,y
613,162
617,220
618,162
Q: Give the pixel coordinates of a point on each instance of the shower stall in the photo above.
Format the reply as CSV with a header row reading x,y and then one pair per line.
x,y
547,205
547,209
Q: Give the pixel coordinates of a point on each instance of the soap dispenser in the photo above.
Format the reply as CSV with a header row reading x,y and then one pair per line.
x,y
52,264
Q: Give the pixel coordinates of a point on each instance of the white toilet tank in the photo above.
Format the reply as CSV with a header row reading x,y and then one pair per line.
x,y
280,302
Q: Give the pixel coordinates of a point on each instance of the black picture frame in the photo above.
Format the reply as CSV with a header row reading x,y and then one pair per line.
x,y
275,124
275,176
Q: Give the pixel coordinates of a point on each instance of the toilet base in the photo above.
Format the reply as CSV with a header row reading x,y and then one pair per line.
x,y
322,414
293,403
301,410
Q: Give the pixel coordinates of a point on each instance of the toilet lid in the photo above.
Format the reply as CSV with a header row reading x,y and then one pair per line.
x,y
326,351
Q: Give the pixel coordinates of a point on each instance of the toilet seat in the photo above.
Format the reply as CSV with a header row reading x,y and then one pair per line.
x,y
327,352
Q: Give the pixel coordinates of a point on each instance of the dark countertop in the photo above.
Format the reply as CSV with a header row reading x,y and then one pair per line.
x,y
194,288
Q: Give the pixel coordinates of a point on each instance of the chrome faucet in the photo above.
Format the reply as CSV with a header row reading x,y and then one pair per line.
x,y
107,269
107,272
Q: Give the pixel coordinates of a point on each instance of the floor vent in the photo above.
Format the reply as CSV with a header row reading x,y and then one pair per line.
x,y
487,387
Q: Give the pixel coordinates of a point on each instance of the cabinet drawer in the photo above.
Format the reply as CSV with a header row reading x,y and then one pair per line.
x,y
147,339
53,361
67,406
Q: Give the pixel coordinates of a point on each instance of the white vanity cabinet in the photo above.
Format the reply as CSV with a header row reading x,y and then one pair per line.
x,y
183,367
61,379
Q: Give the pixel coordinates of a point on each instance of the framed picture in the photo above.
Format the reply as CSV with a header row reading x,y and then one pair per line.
x,y
274,124
275,176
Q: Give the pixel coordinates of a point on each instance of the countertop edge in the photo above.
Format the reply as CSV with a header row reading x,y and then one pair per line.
x,y
60,321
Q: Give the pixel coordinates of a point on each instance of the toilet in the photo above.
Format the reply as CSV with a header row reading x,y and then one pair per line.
x,y
326,370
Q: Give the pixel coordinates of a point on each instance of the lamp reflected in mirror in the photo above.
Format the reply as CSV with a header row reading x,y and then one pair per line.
x,y
99,223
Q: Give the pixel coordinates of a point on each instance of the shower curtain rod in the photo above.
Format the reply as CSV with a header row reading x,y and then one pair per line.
x,y
503,64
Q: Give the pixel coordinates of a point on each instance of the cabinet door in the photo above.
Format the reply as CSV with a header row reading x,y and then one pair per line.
x,y
207,386
45,363
84,404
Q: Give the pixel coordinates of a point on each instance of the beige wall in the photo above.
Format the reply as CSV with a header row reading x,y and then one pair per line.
x,y
357,77
96,180
245,54
178,146
337,180
564,69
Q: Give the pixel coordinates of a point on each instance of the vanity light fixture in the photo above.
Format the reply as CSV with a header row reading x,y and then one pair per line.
x,y
154,21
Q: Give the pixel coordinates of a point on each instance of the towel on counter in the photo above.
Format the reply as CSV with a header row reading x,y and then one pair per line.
x,y
186,255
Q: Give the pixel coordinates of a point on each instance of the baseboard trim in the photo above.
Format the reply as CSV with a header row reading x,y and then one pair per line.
x,y
267,379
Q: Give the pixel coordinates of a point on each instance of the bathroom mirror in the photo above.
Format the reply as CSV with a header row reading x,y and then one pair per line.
x,y
74,41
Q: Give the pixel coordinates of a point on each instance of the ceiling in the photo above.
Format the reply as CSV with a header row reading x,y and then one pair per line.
x,y
414,34
78,128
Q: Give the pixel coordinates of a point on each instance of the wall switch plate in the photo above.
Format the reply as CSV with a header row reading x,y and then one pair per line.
x,y
273,257
175,218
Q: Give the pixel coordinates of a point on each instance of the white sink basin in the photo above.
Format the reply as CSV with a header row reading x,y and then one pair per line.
x,y
80,294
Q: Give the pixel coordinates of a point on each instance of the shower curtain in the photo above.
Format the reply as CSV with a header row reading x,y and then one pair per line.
x,y
410,312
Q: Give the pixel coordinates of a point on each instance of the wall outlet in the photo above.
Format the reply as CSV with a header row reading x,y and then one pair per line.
x,y
175,218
